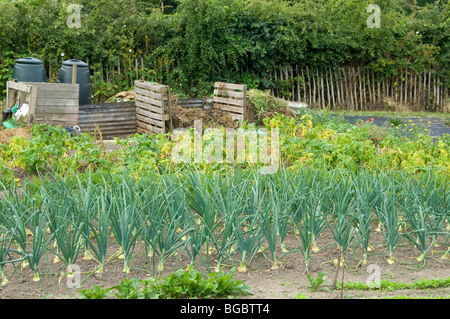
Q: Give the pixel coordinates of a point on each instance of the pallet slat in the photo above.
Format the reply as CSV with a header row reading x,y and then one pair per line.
x,y
145,128
149,107
151,94
229,86
151,86
149,121
230,93
229,108
222,100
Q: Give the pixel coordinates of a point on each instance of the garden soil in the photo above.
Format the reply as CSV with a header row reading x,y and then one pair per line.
x,y
266,283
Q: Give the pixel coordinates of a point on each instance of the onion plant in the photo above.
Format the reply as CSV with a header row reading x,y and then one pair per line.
x,y
340,222
203,216
66,225
98,235
229,197
389,216
171,224
367,198
40,242
5,244
168,239
421,230
86,199
247,232
317,204
285,194
124,219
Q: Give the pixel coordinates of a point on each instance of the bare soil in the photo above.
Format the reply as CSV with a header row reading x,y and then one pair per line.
x,y
266,283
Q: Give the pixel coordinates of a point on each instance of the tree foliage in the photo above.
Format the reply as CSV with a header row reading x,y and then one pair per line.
x,y
190,44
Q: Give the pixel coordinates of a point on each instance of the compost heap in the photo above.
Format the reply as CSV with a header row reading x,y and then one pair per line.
x,y
7,135
185,117
261,105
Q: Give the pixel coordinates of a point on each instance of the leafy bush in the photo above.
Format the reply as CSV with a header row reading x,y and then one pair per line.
x,y
182,284
193,43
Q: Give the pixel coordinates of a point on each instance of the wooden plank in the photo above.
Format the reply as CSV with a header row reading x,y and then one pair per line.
x,y
151,94
56,116
149,100
149,107
10,97
230,108
228,86
222,100
155,87
51,109
52,87
145,128
148,120
245,115
57,102
58,94
19,86
55,122
228,93
160,117
33,101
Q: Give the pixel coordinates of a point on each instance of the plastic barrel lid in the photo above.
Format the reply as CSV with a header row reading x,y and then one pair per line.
x,y
29,60
72,62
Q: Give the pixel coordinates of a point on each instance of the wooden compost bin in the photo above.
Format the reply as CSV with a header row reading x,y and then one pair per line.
x,y
50,103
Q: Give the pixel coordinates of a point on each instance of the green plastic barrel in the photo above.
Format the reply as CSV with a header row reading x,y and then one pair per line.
x,y
83,78
29,70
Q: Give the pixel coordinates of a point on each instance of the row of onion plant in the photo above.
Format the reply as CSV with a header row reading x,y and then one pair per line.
x,y
220,218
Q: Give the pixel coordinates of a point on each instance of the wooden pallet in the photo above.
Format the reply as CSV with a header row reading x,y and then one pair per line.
x,y
231,98
153,108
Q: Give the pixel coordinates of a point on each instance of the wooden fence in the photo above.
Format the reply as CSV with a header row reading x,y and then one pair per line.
x,y
347,87
112,119
153,108
359,88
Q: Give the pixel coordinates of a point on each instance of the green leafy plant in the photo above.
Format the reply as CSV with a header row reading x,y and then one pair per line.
x,y
316,282
181,284
95,293
191,284
129,289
